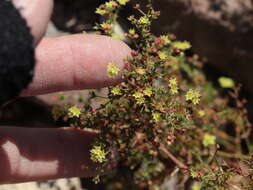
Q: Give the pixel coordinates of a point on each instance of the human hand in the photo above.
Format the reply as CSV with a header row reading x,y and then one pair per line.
x,y
63,63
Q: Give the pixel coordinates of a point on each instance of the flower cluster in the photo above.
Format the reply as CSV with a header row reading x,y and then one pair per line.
x,y
193,96
139,97
173,86
164,99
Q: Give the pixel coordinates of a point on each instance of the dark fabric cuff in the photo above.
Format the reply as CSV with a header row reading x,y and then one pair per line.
x,y
17,57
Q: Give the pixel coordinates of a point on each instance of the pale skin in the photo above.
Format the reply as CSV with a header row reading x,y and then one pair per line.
x,y
63,63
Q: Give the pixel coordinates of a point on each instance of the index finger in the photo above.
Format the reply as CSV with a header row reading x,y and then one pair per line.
x,y
76,62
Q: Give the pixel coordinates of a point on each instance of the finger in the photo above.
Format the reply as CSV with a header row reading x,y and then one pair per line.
x,y
28,154
37,14
76,62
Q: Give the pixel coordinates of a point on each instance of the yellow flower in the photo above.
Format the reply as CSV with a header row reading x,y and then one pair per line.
x,y
100,11
112,70
97,154
156,116
162,55
148,92
73,112
131,31
189,95
140,71
143,20
122,2
174,90
209,140
182,45
116,91
196,98
193,95
173,82
140,100
139,97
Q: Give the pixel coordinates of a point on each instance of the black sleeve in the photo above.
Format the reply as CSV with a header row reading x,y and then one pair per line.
x,y
17,57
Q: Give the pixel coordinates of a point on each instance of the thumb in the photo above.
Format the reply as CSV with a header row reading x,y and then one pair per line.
x,y
37,14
